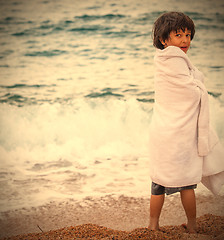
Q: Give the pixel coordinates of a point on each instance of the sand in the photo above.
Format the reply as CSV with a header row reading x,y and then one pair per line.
x,y
112,217
209,227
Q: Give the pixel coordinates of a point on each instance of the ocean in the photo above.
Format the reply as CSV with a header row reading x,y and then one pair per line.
x,y
76,94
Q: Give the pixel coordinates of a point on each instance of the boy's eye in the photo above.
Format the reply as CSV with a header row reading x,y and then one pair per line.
x,y
179,35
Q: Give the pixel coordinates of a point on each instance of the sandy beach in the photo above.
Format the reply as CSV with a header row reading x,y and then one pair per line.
x,y
112,217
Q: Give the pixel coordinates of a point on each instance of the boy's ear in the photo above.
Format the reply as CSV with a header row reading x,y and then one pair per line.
x,y
163,42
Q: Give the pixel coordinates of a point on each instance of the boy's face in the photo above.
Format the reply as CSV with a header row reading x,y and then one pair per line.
x,y
179,38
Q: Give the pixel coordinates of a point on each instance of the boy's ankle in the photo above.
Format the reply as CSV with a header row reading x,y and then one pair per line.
x,y
154,224
191,225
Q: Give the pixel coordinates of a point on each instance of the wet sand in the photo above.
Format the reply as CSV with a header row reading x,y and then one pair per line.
x,y
112,218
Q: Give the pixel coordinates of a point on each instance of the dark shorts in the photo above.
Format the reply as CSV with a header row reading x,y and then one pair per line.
x,y
157,189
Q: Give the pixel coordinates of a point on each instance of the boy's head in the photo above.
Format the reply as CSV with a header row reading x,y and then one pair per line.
x,y
168,22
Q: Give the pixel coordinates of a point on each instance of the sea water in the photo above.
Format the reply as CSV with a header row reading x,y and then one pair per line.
x,y
76,94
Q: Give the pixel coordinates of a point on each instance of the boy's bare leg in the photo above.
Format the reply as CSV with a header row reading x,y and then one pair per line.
x,y
189,204
156,204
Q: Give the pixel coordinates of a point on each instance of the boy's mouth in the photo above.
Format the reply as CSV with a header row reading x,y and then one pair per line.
x,y
184,49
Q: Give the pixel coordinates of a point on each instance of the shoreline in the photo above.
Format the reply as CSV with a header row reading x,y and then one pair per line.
x,y
117,213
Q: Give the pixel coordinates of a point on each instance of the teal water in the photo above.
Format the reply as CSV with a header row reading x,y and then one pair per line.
x,y
76,94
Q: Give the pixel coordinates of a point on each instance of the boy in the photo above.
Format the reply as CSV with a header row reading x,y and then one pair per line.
x,y
176,165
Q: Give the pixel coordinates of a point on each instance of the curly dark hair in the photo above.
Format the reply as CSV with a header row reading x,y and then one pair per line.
x,y
168,22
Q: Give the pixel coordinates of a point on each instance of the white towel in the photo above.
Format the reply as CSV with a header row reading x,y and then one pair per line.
x,y
180,133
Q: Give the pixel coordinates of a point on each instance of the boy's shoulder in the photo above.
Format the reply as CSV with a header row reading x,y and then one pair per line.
x,y
173,54
171,51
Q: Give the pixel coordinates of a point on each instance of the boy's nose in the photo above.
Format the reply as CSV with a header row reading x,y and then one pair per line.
x,y
184,39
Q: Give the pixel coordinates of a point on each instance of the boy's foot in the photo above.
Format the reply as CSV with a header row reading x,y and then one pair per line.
x,y
189,229
153,228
